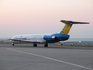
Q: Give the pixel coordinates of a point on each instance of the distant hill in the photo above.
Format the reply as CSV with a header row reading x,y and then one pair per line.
x,y
4,40
80,39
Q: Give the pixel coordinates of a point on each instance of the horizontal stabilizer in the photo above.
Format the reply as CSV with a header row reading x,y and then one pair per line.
x,y
73,22
68,25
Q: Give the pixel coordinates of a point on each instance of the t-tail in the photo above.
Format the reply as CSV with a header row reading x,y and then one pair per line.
x,y
68,25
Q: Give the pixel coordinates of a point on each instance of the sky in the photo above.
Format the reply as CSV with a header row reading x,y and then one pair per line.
x,y
43,16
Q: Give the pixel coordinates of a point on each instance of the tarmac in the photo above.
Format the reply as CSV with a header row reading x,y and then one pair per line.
x,y
27,57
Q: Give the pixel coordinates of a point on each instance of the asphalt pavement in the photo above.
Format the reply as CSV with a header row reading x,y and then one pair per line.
x,y
26,57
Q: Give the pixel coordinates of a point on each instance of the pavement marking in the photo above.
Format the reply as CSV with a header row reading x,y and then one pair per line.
x,y
51,59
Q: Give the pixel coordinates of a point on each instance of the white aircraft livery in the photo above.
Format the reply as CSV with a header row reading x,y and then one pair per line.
x,y
46,38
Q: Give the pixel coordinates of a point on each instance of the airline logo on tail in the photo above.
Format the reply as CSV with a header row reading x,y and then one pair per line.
x,y
68,25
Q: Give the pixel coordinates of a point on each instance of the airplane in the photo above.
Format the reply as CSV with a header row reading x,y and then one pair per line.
x,y
46,38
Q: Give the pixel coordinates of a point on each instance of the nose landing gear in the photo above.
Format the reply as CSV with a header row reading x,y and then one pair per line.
x,y
13,44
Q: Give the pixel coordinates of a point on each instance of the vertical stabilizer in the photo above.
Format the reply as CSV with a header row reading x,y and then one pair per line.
x,y
68,25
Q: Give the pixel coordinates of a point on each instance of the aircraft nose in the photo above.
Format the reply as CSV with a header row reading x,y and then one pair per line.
x,y
14,37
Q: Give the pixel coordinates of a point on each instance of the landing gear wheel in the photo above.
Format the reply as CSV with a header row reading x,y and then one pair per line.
x,y
45,45
34,45
13,44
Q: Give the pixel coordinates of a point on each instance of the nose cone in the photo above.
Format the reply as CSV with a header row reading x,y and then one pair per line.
x,y
13,38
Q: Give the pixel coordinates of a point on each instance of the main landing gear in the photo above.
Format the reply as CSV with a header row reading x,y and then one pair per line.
x,y
46,45
35,45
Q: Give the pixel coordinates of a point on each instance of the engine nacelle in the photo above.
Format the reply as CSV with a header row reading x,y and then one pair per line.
x,y
56,38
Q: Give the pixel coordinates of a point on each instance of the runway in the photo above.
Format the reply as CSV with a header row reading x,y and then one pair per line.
x,y
26,57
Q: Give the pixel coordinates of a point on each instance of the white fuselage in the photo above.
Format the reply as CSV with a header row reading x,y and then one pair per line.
x,y
32,38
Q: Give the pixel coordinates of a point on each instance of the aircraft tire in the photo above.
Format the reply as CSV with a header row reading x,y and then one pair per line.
x,y
34,45
13,44
45,45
